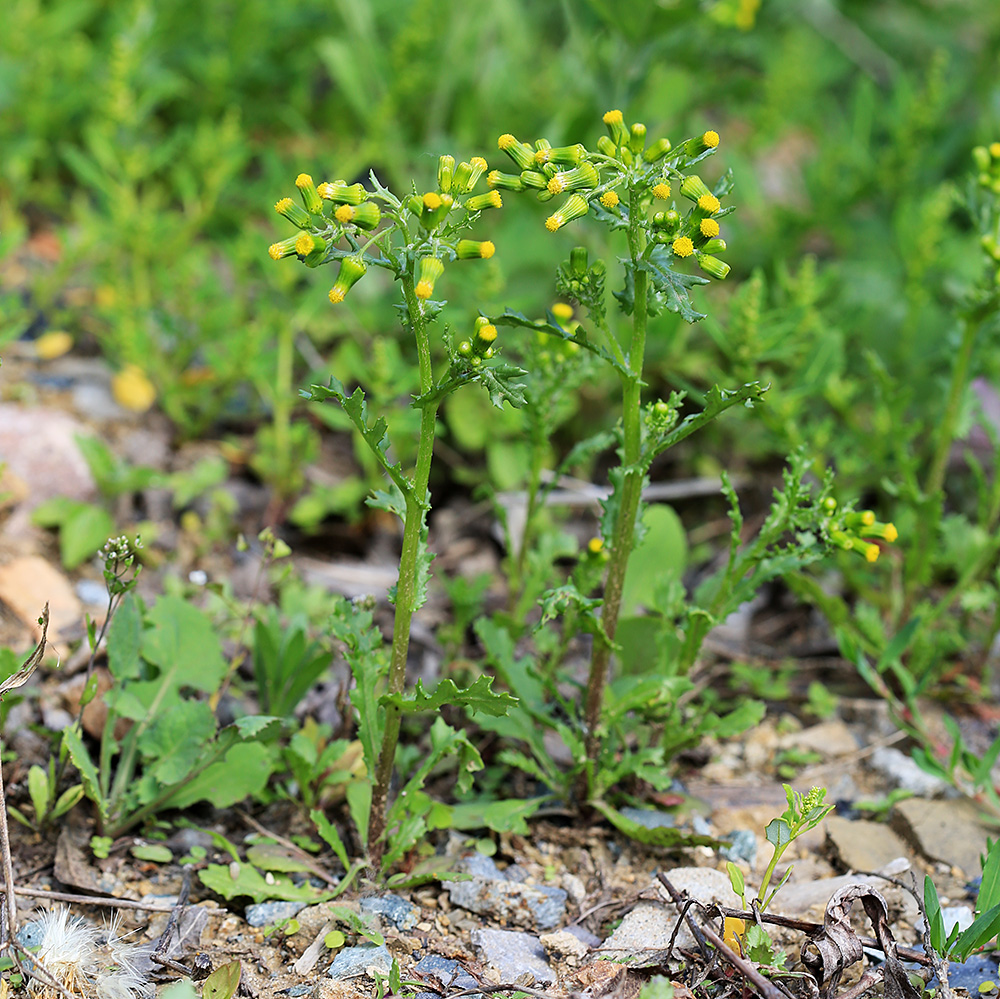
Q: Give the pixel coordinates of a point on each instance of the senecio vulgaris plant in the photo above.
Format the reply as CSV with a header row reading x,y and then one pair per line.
x,y
629,186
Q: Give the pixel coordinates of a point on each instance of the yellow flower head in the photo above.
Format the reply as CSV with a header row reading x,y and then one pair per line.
x,y
432,201
891,534
662,191
711,139
487,333
609,199
613,117
304,244
337,294
709,227
595,545
562,310
303,180
995,150
709,203
506,141
871,553
344,214
283,205
683,246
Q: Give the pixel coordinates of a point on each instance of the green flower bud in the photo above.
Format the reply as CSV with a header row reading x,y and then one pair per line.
x,y
657,150
428,270
714,246
468,174
545,195
364,216
446,171
311,248
434,207
707,140
605,146
694,187
615,122
578,260
712,266
341,193
283,248
352,270
521,153
637,138
465,348
508,181
480,202
575,207
415,204
566,155
534,178
626,155
470,249
310,198
981,158
583,177
295,214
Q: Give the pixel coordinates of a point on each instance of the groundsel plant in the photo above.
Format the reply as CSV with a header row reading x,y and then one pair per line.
x,y
415,238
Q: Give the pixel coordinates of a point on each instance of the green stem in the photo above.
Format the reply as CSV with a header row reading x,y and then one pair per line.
x,y
621,545
282,404
406,587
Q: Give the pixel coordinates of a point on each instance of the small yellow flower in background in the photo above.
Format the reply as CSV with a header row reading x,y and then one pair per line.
x,y
562,310
871,553
595,545
105,296
995,150
683,246
609,199
711,139
709,203
132,390
662,191
53,344
709,227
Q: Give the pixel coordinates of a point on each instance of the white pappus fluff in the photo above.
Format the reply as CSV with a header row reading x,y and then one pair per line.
x,y
84,959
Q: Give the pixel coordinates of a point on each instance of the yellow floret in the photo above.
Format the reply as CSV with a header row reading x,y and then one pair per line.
x,y
711,139
506,141
995,150
709,203
303,180
344,213
432,201
556,184
336,295
871,553
610,117
552,223
487,249
305,244
683,246
709,227
609,199
487,333
891,533
562,310
283,205
594,545
662,191
274,251
424,289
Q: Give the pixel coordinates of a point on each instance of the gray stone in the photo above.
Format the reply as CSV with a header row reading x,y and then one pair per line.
x,y
830,739
904,773
862,845
296,991
481,866
649,818
948,831
565,945
642,939
742,846
393,909
354,961
512,954
961,916
534,907
446,971
269,913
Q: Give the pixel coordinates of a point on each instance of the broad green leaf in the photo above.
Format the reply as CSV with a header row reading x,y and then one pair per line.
x,y
249,882
274,857
223,982
175,740
778,833
662,836
479,697
241,773
82,761
662,552
124,639
500,816
935,920
155,852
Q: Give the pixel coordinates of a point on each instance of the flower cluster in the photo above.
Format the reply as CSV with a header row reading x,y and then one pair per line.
x,y
858,531
335,212
624,166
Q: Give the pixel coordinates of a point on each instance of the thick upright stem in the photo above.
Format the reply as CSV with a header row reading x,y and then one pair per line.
x,y
406,587
621,545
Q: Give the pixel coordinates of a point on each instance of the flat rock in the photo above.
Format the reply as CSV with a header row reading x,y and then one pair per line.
x,y
448,972
393,910
809,898
863,845
534,907
830,739
947,831
354,961
904,773
642,939
512,954
28,583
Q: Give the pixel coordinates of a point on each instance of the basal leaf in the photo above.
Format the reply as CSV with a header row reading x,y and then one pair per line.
x,y
479,697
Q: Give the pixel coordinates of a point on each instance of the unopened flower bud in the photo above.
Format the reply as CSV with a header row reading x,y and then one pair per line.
x,y
615,122
565,155
535,179
434,208
583,177
508,181
637,138
707,140
465,348
352,270
310,197
712,266
578,260
605,146
575,207
446,171
480,202
981,158
467,174
694,187
858,519
657,150
470,249
429,269
342,194
364,216
521,153
714,246
295,214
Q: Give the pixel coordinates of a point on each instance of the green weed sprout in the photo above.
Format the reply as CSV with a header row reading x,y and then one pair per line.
x,y
415,238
